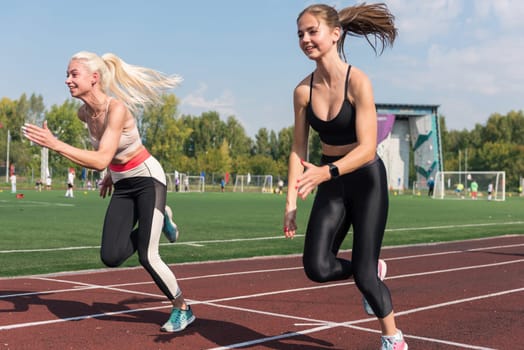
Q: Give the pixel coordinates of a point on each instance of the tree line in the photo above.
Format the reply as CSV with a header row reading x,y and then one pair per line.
x,y
496,146
208,143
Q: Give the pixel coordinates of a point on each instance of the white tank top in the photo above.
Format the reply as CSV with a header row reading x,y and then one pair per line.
x,y
129,139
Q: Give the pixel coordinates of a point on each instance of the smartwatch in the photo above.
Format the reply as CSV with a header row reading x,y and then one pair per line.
x,y
333,170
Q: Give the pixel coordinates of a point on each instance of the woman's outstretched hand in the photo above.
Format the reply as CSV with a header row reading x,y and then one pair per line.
x,y
40,135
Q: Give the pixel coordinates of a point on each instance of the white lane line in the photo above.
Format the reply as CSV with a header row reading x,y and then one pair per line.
x,y
323,325
84,286
279,237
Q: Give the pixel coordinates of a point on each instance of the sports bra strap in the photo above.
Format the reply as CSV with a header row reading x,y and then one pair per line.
x,y
347,82
345,88
311,87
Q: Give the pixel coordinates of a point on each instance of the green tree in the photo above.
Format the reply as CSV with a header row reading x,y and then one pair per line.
x,y
208,133
163,134
262,165
64,124
241,164
216,160
509,128
13,114
7,110
314,147
36,109
285,140
239,142
262,143
497,146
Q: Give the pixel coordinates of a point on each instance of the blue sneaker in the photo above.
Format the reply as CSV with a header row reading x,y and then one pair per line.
x,y
178,320
382,269
170,229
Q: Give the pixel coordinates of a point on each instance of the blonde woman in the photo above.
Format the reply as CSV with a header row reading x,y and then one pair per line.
x,y
112,90
336,100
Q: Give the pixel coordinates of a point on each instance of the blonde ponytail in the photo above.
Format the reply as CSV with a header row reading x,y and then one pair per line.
x,y
134,85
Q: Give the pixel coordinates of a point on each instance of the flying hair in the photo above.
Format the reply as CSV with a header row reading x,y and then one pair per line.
x,y
373,22
136,86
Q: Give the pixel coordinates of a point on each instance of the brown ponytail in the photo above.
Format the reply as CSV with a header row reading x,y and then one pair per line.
x,y
373,22
365,21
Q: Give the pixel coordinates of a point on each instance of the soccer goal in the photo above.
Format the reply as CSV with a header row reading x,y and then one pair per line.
x,y
458,185
253,183
190,183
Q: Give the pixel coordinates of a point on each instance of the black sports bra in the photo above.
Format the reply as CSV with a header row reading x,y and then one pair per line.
x,y
341,129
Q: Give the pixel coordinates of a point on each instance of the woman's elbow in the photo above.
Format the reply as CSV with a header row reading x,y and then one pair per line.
x,y
369,153
101,164
99,168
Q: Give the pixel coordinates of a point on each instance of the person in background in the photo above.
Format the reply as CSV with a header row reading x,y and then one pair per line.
x,y
48,183
12,178
38,185
474,187
431,186
490,191
112,90
70,183
336,100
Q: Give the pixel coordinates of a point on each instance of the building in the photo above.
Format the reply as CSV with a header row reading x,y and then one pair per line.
x,y
404,128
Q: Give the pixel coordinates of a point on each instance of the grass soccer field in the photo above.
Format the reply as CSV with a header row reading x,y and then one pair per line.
x,y
45,232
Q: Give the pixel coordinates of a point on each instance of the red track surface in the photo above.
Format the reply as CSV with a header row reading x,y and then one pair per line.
x,y
461,295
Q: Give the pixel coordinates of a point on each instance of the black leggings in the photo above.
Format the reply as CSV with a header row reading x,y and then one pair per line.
x,y
360,199
134,221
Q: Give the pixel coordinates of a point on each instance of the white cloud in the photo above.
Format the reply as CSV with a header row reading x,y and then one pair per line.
x,y
508,13
198,102
419,21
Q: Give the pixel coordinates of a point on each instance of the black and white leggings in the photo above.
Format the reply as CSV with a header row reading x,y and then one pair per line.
x,y
139,197
358,199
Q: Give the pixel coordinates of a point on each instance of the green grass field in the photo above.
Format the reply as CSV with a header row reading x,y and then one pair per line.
x,y
45,232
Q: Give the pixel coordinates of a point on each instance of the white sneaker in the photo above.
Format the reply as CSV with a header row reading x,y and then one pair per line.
x,y
395,342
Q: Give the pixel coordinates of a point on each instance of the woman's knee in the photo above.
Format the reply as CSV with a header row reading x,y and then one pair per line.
x,y
111,260
317,275
316,271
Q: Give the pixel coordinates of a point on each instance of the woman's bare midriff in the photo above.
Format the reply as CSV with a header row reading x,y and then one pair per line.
x,y
335,151
129,156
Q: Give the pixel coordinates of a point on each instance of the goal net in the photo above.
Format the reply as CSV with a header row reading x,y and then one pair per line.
x,y
461,185
190,183
253,183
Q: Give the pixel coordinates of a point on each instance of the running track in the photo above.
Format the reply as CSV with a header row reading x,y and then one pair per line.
x,y
460,295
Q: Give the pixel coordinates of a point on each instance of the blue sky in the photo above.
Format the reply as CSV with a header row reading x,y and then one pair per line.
x,y
241,57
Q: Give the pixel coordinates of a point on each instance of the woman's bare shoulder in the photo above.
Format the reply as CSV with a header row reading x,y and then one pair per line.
x,y
301,92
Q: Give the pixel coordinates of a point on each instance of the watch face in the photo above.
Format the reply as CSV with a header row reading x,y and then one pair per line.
x,y
333,170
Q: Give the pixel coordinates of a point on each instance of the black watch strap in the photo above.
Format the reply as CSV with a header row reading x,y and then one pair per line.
x,y
333,170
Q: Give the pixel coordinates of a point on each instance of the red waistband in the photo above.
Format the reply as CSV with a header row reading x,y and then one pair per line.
x,y
132,163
